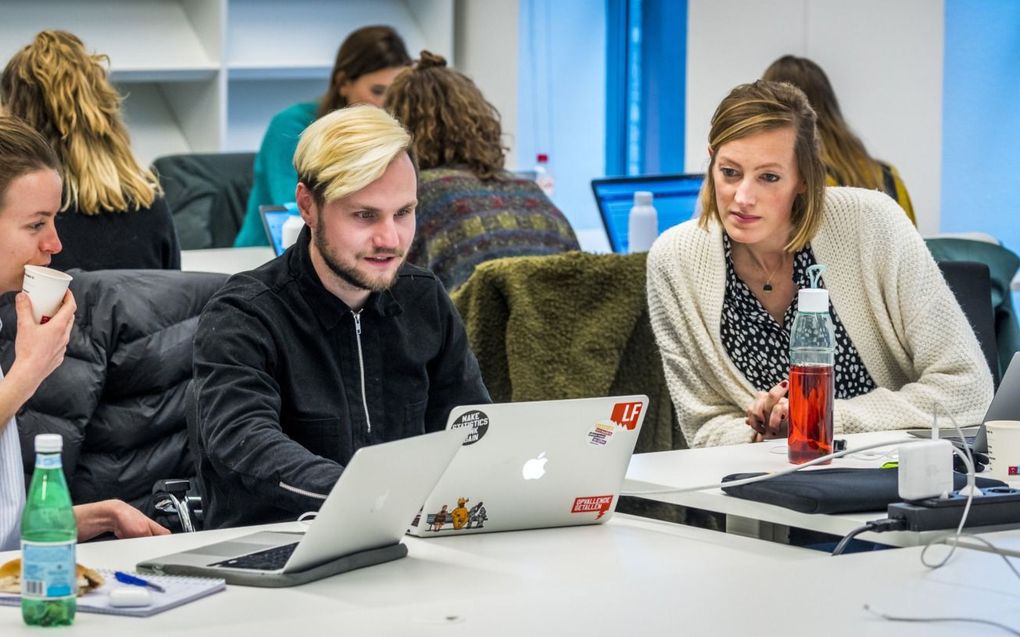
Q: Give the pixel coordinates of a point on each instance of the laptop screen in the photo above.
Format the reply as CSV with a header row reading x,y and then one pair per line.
x,y
675,198
273,218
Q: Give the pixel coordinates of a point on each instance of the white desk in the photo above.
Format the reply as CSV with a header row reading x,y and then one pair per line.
x,y
693,467
628,577
225,260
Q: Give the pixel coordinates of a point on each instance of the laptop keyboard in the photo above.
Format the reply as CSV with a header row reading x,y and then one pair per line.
x,y
268,560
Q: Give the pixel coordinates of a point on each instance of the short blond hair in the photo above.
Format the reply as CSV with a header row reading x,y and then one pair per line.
x,y
348,149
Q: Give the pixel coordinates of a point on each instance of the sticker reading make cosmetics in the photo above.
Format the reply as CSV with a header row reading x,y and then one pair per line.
x,y
591,504
477,421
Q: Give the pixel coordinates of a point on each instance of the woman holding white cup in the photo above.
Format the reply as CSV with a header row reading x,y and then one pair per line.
x,y
30,194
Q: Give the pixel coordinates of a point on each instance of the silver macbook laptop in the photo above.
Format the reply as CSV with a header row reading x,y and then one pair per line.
x,y
362,520
530,465
1005,405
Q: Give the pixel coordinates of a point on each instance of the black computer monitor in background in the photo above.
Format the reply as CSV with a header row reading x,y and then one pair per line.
x,y
675,198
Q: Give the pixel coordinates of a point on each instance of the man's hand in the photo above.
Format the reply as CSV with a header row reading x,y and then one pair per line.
x,y
768,415
114,516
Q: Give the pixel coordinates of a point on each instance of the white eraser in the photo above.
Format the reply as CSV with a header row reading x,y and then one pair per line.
x,y
925,469
130,596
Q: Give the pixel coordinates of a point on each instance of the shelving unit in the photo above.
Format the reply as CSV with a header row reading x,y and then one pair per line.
x,y
207,75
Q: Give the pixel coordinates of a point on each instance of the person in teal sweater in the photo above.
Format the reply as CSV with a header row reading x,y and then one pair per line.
x,y
366,64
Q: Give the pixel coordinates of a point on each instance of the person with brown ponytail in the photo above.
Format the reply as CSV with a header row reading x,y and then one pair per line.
x,y
365,66
112,213
847,161
470,209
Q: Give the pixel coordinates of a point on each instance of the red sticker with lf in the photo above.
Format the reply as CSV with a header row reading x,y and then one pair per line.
x,y
626,414
590,504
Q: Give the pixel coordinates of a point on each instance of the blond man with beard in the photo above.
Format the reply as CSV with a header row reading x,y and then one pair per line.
x,y
336,344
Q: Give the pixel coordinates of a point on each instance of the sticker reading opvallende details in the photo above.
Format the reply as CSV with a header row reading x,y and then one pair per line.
x,y
591,504
477,421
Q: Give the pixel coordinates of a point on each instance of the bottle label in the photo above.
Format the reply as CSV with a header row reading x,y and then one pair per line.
x,y
48,570
47,461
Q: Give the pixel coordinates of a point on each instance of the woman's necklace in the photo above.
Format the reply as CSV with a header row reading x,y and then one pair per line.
x,y
767,287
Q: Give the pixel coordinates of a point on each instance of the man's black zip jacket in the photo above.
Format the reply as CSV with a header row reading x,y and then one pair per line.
x,y
279,380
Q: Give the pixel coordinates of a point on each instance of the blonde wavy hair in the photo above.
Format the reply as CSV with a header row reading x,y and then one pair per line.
x,y
348,149
63,92
449,119
764,106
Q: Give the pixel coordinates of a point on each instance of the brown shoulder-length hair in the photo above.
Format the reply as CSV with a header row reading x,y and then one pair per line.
x,y
764,106
843,152
449,119
63,92
22,151
367,50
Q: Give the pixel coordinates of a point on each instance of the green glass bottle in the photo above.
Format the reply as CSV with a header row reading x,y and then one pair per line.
x,y
48,537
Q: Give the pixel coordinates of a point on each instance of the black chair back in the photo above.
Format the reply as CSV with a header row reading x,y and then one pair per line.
x,y
972,285
208,194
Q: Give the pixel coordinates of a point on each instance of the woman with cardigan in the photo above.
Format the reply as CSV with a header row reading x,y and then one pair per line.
x,y
722,289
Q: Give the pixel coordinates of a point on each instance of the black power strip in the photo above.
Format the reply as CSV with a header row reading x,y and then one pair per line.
x,y
999,506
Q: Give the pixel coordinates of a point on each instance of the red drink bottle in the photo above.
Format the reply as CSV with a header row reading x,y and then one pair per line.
x,y
812,353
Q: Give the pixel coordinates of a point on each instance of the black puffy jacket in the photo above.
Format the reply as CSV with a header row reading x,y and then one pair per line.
x,y
118,398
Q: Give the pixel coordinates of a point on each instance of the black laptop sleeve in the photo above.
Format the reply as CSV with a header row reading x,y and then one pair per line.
x,y
833,490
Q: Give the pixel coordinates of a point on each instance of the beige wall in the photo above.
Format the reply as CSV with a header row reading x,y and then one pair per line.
x,y
883,58
486,48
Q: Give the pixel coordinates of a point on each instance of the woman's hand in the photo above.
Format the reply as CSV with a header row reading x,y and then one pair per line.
x,y
768,415
39,349
114,516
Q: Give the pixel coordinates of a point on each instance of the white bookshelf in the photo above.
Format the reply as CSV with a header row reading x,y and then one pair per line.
x,y
207,75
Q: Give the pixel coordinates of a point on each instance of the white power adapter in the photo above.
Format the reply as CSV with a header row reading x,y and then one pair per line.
x,y
925,469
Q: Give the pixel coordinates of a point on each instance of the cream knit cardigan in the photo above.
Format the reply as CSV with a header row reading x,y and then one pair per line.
x,y
891,297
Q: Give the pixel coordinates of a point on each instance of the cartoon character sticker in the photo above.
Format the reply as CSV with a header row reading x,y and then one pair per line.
x,y
439,519
477,516
475,420
459,518
460,514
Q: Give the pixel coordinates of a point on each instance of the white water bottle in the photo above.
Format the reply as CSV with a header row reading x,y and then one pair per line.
x,y
643,223
291,229
543,177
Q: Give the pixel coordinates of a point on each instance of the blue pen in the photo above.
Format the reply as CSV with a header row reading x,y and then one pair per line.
x,y
127,578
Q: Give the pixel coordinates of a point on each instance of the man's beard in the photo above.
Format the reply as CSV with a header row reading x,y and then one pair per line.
x,y
349,274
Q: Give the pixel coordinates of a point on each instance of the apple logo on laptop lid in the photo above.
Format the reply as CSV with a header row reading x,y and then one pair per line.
x,y
535,468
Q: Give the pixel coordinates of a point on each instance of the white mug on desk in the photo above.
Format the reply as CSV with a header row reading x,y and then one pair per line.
x,y
1004,449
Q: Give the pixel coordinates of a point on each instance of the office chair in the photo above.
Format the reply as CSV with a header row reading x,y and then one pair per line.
x,y
972,286
1002,265
207,194
181,498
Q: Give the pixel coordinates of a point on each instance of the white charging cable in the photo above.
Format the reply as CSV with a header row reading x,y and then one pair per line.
x,y
775,474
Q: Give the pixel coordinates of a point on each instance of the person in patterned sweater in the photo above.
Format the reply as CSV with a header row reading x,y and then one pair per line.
x,y
470,209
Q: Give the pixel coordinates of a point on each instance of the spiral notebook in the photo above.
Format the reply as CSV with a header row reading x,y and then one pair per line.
x,y
179,591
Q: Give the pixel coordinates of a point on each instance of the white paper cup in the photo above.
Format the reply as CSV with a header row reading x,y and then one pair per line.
x,y
45,287
1004,449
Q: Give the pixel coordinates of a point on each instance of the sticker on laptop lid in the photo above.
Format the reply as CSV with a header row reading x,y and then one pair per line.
x,y
475,420
592,504
626,414
461,517
601,433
